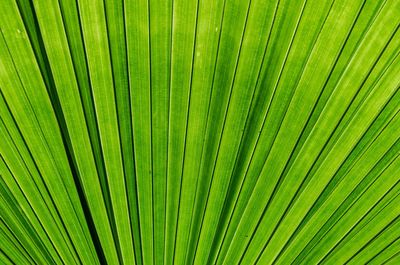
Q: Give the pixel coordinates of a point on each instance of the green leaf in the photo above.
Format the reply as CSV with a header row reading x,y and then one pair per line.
x,y
199,132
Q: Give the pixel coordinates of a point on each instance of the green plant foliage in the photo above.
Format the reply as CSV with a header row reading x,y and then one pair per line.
x,y
183,132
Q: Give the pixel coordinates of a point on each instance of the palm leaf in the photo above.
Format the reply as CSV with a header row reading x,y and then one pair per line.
x,y
200,132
